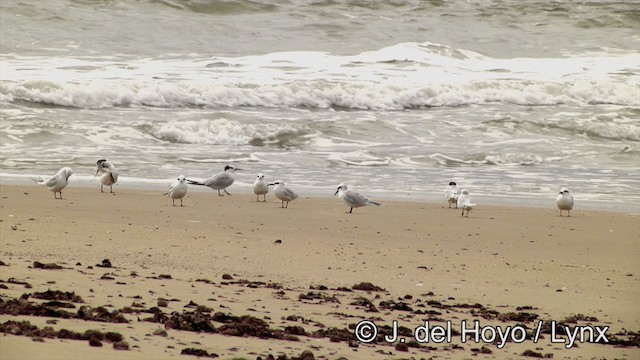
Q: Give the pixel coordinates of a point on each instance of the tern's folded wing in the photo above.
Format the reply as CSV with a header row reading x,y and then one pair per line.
x,y
290,194
52,182
353,198
222,179
114,174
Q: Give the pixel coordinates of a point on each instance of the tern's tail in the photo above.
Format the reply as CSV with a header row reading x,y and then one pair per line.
x,y
373,203
192,182
38,180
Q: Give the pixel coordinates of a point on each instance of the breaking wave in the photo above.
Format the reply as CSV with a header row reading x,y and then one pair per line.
x,y
316,94
227,132
489,159
403,76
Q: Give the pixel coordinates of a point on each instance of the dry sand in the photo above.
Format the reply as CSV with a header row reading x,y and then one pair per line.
x,y
290,270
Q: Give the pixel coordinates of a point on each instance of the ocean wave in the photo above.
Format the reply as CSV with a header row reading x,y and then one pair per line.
x,y
228,160
402,76
520,159
227,132
318,94
359,158
630,149
615,126
219,7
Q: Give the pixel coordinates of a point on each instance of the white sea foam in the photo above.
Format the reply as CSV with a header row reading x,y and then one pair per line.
x,y
226,160
228,132
359,158
488,159
608,125
163,102
321,94
403,76
219,131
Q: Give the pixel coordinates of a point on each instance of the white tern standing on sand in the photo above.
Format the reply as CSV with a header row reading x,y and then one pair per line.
x,y
177,190
57,182
260,187
352,198
109,174
464,202
564,200
282,192
219,181
451,194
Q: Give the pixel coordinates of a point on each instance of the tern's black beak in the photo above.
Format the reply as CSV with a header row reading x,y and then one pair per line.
x,y
337,191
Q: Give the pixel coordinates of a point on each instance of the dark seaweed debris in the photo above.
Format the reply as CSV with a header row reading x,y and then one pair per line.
x,y
305,355
519,317
251,326
320,296
361,301
201,320
106,263
190,321
23,307
334,334
57,295
392,305
95,337
17,282
198,353
615,340
367,286
253,284
482,350
531,353
49,266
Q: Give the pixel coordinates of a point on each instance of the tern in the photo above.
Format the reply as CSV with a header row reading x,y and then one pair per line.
x,y
109,174
219,181
177,190
282,192
564,200
451,194
464,202
57,182
352,198
260,187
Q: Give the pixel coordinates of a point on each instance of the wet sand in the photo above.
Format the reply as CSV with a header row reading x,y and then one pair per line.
x,y
242,279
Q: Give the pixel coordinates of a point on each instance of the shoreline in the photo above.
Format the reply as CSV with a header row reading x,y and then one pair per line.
x,y
239,187
240,257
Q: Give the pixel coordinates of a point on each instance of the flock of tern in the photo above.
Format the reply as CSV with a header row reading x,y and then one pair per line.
x,y
221,181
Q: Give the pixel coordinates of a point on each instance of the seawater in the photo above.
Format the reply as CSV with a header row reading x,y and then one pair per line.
x,y
511,99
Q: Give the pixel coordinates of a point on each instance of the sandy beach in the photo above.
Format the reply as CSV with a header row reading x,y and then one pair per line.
x,y
242,279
